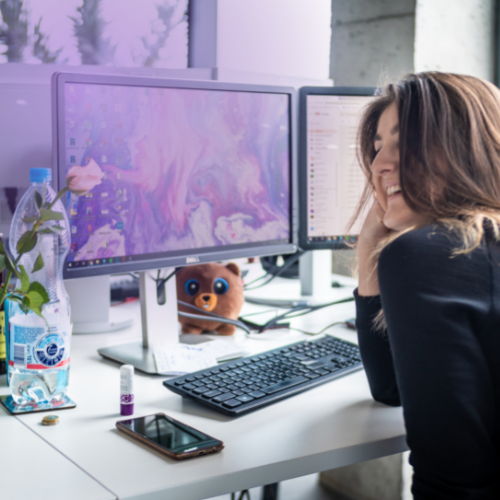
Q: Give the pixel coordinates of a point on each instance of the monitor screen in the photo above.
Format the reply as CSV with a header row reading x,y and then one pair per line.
x,y
188,171
332,181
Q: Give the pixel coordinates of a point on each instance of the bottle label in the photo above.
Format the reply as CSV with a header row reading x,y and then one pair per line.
x,y
36,347
3,352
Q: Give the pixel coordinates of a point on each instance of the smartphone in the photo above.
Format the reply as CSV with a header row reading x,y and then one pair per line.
x,y
169,436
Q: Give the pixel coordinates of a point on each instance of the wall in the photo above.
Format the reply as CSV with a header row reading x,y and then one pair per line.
x,y
372,40
262,41
459,39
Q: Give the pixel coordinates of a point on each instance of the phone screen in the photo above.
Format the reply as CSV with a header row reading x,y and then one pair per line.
x,y
165,431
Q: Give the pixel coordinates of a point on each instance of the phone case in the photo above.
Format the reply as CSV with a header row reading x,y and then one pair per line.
x,y
212,446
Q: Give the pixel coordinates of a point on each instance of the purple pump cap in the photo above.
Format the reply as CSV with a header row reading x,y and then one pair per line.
x,y
127,409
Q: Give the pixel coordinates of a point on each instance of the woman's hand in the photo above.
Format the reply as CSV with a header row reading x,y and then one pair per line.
x,y
372,233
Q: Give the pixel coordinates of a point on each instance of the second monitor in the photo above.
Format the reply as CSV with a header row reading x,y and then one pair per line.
x,y
330,178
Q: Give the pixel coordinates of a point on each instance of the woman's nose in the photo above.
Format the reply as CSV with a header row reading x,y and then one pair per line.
x,y
386,161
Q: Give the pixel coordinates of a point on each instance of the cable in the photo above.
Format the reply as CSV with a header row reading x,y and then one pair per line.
x,y
211,317
278,269
301,311
218,320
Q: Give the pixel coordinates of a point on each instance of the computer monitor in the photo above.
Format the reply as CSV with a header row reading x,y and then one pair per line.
x,y
330,178
192,172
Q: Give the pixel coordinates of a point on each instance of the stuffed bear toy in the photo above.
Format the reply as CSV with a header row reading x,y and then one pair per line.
x,y
214,288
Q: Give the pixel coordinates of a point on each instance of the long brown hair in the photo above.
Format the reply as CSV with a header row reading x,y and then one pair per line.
x,y
449,147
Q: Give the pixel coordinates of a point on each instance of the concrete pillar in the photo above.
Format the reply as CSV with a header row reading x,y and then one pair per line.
x,y
456,36
372,40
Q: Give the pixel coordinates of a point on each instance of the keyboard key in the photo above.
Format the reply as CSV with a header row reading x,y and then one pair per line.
x,y
189,387
211,394
190,379
245,398
285,384
200,390
232,403
224,397
238,393
179,382
257,394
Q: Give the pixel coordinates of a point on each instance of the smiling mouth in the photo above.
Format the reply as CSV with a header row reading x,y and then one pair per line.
x,y
393,190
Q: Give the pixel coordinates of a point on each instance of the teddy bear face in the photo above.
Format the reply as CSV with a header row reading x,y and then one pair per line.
x,y
205,300
214,288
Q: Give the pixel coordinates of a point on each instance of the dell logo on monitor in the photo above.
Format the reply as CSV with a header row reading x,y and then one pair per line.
x,y
192,260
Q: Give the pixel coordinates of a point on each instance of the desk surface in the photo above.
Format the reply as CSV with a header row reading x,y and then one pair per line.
x,y
331,426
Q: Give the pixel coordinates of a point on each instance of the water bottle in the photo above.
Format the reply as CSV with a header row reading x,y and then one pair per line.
x,y
39,351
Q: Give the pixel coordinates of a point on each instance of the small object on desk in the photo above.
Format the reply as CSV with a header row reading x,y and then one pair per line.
x,y
351,323
181,359
213,288
126,390
50,420
32,407
174,360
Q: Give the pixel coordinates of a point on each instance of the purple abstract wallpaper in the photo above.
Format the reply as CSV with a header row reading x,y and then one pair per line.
x,y
182,169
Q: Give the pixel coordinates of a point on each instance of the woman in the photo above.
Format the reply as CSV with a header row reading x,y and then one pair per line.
x,y
429,258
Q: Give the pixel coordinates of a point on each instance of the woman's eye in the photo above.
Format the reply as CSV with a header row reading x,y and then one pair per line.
x,y
221,286
192,287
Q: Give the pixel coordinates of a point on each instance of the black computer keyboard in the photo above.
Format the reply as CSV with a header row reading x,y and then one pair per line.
x,y
245,385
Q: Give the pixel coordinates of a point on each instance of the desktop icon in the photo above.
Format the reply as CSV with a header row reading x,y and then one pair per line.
x,y
74,247
73,212
88,106
88,142
72,159
104,107
73,229
72,141
119,226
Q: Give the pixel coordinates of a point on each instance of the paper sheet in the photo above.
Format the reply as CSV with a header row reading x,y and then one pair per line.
x,y
181,358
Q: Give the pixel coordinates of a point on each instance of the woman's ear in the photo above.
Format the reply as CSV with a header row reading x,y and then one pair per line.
x,y
234,268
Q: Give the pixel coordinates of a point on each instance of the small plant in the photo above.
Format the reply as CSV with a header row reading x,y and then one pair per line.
x,y
32,296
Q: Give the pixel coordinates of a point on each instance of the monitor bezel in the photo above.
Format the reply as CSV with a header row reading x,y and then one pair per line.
x,y
304,92
194,256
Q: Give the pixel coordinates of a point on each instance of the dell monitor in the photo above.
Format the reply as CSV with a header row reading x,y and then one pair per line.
x,y
189,172
330,178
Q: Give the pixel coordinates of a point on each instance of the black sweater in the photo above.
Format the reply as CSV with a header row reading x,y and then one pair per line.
x,y
439,359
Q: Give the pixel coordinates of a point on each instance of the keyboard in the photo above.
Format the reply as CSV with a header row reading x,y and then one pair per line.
x,y
250,383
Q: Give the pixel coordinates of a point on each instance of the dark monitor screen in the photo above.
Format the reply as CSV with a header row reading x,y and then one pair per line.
x,y
189,171
331,180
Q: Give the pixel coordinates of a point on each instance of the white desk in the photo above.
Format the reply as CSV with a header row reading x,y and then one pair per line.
x,y
331,426
31,468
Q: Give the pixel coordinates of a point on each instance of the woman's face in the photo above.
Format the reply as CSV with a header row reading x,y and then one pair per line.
x,y
385,174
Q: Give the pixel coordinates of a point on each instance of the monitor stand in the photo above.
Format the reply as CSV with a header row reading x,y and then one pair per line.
x,y
90,306
313,288
158,320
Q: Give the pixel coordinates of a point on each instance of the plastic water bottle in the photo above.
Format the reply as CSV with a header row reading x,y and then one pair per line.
x,y
39,355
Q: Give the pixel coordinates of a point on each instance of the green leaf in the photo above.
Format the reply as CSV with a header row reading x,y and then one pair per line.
x,y
39,263
2,263
40,290
26,242
36,300
27,220
51,215
10,266
20,300
2,248
44,231
38,200
25,280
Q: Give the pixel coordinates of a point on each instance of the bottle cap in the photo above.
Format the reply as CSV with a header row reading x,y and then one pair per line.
x,y
40,175
50,420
